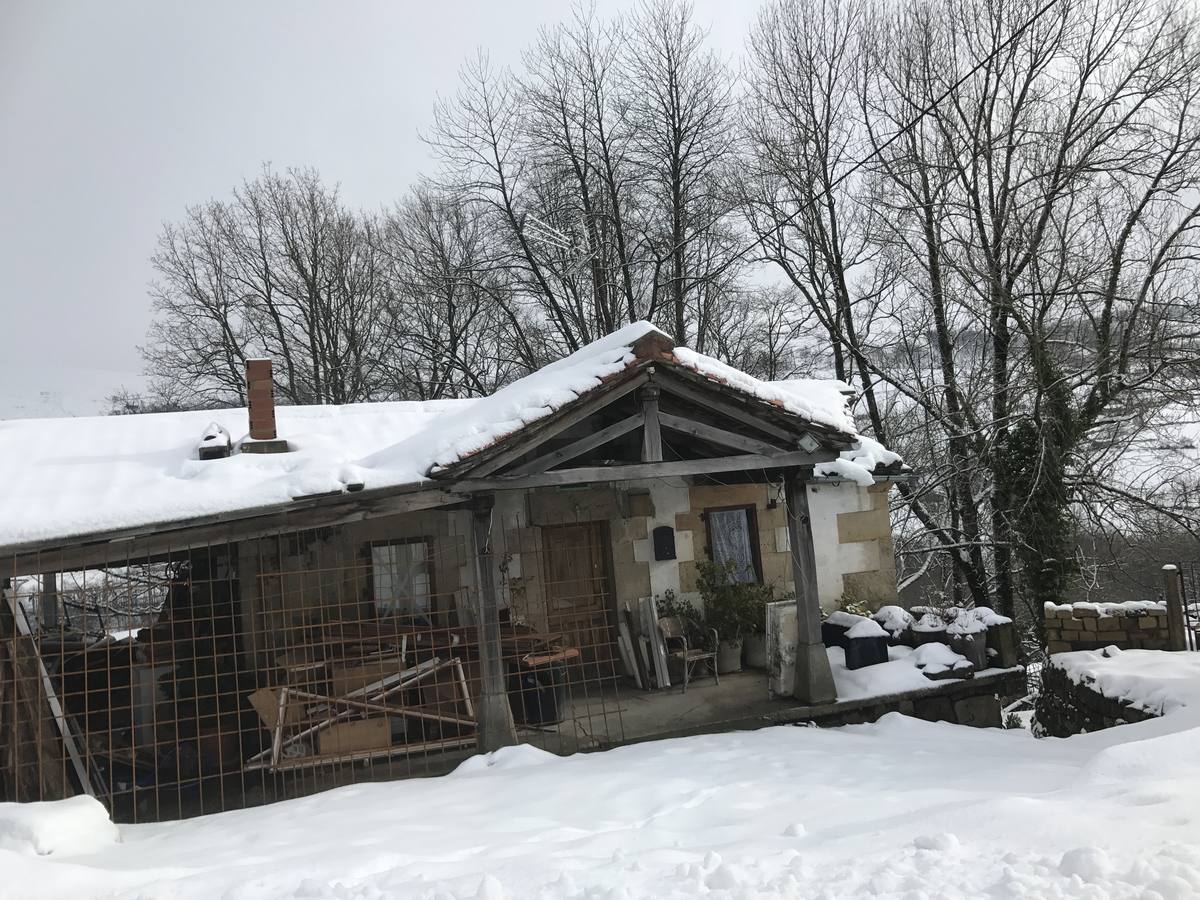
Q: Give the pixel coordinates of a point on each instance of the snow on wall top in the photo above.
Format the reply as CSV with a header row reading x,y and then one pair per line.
x,y
1133,607
76,476
1156,681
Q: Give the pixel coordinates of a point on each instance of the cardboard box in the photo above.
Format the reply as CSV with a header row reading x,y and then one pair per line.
x,y
356,736
266,703
352,678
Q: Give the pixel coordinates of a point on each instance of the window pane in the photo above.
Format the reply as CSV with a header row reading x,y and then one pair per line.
x,y
729,536
401,578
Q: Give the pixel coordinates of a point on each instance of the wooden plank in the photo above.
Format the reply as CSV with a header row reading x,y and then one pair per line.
x,y
60,719
579,447
386,708
647,665
32,752
532,437
466,692
305,762
650,629
651,433
345,680
718,436
159,539
641,658
625,645
493,715
660,645
381,690
277,734
597,474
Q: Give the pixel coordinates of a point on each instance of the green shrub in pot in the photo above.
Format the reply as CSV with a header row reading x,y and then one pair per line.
x,y
736,609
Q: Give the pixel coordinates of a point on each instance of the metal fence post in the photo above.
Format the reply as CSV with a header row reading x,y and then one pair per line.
x,y
1176,633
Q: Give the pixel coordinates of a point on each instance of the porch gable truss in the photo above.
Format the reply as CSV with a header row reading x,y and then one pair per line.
x,y
657,420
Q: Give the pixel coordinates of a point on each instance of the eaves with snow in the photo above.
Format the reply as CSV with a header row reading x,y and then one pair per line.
x,y
76,477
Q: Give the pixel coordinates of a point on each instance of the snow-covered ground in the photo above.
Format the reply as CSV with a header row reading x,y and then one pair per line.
x,y
902,808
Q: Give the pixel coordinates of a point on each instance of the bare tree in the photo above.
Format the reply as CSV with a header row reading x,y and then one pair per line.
x,y
681,106
814,219
1007,278
281,270
603,165
444,316
983,216
477,137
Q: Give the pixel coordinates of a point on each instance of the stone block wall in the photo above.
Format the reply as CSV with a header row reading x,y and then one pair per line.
x,y
1137,625
1066,707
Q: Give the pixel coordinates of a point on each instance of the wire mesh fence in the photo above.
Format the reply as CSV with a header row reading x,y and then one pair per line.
x,y
229,675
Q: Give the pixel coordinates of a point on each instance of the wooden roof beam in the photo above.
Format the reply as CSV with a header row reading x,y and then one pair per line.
x,y
638,471
579,447
533,436
728,408
718,436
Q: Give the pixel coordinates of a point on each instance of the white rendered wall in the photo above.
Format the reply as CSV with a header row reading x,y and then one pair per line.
x,y
835,560
669,499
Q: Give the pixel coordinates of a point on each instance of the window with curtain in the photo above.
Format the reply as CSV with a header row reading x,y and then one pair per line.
x,y
731,536
402,574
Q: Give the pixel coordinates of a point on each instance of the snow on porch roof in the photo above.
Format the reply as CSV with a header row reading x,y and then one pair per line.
x,y
62,478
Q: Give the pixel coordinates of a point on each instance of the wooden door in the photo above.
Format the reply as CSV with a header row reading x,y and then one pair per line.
x,y
579,595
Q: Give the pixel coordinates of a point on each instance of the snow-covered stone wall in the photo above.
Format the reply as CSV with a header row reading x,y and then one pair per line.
x,y
1068,706
1092,689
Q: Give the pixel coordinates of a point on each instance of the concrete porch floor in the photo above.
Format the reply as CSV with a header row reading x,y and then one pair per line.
x,y
621,714
705,706
603,716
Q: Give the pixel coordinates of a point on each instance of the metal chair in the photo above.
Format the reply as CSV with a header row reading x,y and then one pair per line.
x,y
684,640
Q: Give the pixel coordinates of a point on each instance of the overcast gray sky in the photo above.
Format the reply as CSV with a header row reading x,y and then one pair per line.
x,y
116,115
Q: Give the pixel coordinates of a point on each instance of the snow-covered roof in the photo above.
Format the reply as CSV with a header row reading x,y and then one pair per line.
x,y
68,477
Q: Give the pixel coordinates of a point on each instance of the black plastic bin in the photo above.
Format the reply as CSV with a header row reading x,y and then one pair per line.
x,y
537,689
866,651
834,635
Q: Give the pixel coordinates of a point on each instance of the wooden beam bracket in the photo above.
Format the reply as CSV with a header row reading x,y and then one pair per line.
x,y
718,436
579,447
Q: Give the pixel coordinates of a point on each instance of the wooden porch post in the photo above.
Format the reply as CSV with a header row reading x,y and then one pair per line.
x,y
1176,621
48,602
651,434
813,682
493,715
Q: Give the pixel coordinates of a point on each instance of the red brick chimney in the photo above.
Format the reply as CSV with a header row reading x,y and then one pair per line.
x,y
260,395
260,389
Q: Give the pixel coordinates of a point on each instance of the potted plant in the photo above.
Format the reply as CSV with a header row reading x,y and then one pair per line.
x,y
755,640
735,609
754,646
